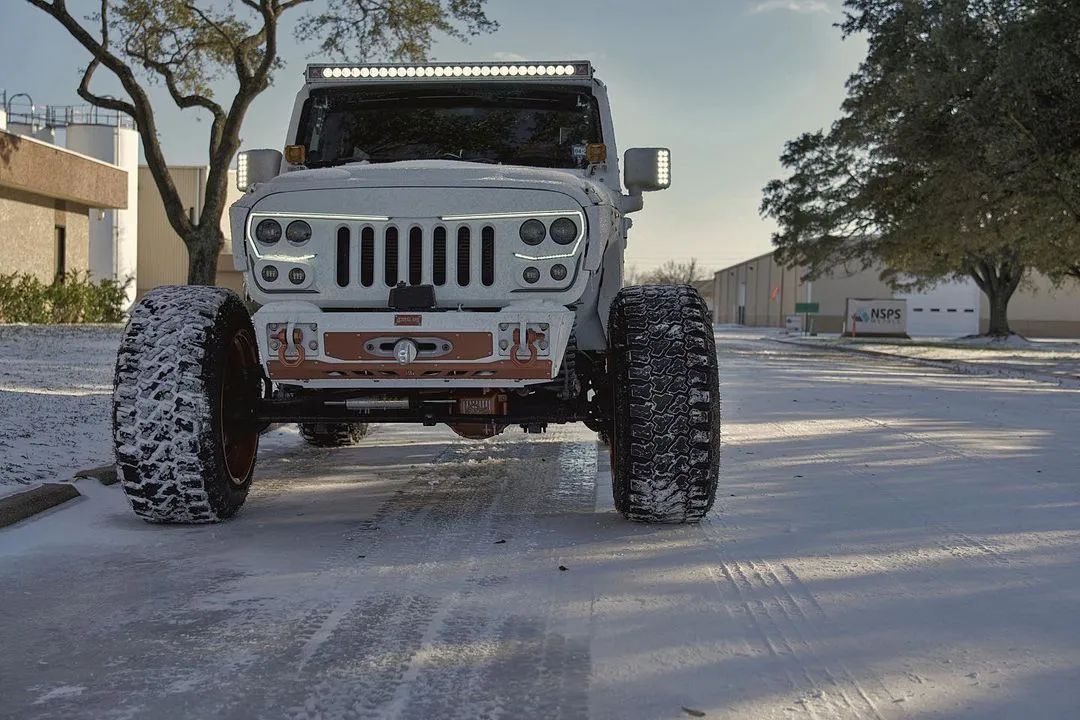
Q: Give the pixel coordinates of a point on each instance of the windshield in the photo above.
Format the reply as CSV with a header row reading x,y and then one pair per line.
x,y
535,126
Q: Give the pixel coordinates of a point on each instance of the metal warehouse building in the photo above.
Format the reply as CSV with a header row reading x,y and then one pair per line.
x,y
759,292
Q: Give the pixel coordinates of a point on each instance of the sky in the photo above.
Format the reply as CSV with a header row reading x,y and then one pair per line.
x,y
723,83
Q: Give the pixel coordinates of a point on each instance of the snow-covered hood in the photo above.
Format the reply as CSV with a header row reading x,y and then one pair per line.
x,y
435,174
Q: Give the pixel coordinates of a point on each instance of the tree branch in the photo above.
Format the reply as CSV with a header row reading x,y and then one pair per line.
x,y
100,101
140,109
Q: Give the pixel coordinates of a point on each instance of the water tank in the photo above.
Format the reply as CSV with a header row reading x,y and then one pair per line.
x,y
114,234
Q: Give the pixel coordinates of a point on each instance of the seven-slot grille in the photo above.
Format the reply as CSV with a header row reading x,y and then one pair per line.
x,y
438,255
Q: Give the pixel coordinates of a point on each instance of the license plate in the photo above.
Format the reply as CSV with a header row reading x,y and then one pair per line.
x,y
476,406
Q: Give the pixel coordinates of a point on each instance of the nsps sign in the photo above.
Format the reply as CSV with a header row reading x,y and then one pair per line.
x,y
877,318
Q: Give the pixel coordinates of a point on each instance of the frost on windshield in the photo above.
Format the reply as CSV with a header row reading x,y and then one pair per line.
x,y
538,127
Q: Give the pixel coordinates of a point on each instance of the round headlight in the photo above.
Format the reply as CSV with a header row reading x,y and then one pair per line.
x,y
298,232
564,231
269,273
532,232
297,276
558,272
268,231
531,275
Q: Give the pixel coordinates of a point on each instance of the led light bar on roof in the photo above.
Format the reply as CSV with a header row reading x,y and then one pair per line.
x,y
423,71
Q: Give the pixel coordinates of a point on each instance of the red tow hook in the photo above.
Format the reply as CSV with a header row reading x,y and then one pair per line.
x,y
298,343
531,337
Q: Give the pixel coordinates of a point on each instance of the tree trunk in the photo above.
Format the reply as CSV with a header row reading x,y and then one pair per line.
x,y
998,299
203,246
998,279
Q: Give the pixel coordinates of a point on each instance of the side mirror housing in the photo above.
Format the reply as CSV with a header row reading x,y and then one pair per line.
x,y
647,169
256,166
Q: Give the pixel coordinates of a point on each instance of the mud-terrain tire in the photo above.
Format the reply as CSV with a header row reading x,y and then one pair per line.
x,y
665,444
188,362
329,435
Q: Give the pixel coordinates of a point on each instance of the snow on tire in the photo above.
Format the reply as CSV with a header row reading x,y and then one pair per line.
x,y
187,368
333,434
666,417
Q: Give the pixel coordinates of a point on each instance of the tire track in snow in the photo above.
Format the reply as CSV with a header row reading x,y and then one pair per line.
x,y
778,610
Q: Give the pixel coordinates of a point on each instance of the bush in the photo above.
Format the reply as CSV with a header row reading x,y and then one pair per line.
x,y
70,299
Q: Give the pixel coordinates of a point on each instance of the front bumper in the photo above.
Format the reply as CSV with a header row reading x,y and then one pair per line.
x,y
304,346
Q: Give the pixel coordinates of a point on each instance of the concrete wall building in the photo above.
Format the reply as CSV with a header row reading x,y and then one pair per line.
x,y
89,180
73,196
758,292
48,196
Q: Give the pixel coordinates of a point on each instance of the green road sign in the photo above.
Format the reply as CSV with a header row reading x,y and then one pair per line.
x,y
807,308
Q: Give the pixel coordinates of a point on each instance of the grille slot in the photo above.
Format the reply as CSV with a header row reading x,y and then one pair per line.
x,y
416,256
390,256
438,256
344,239
487,256
464,241
367,256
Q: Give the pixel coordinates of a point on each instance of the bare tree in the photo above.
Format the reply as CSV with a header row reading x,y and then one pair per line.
x,y
673,273
190,45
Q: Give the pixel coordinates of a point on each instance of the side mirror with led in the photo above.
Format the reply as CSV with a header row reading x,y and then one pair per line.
x,y
257,166
647,169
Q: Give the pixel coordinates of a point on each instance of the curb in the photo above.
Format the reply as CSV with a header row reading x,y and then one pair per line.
x,y
958,366
106,474
17,507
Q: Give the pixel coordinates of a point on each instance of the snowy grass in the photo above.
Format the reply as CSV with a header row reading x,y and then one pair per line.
x,y
55,389
1012,357
55,403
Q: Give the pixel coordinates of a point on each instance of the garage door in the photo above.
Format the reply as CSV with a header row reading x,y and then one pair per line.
x,y
950,310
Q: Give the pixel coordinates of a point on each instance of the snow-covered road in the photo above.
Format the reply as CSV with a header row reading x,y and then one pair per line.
x,y
892,541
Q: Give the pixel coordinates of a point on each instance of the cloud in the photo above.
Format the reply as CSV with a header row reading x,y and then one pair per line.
x,y
509,56
799,6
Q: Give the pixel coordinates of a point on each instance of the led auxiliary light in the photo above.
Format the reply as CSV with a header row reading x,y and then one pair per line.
x,y
533,70
663,167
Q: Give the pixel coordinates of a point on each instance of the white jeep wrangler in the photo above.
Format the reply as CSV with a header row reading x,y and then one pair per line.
x,y
437,244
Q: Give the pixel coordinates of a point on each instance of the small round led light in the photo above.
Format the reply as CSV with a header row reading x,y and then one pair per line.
x,y
365,72
569,69
531,69
336,72
411,72
531,275
383,72
476,70
458,71
327,72
485,71
550,69
560,69
269,273
558,272
429,72
467,72
504,70
532,232
297,276
298,232
513,70
564,231
439,72
268,231
392,72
